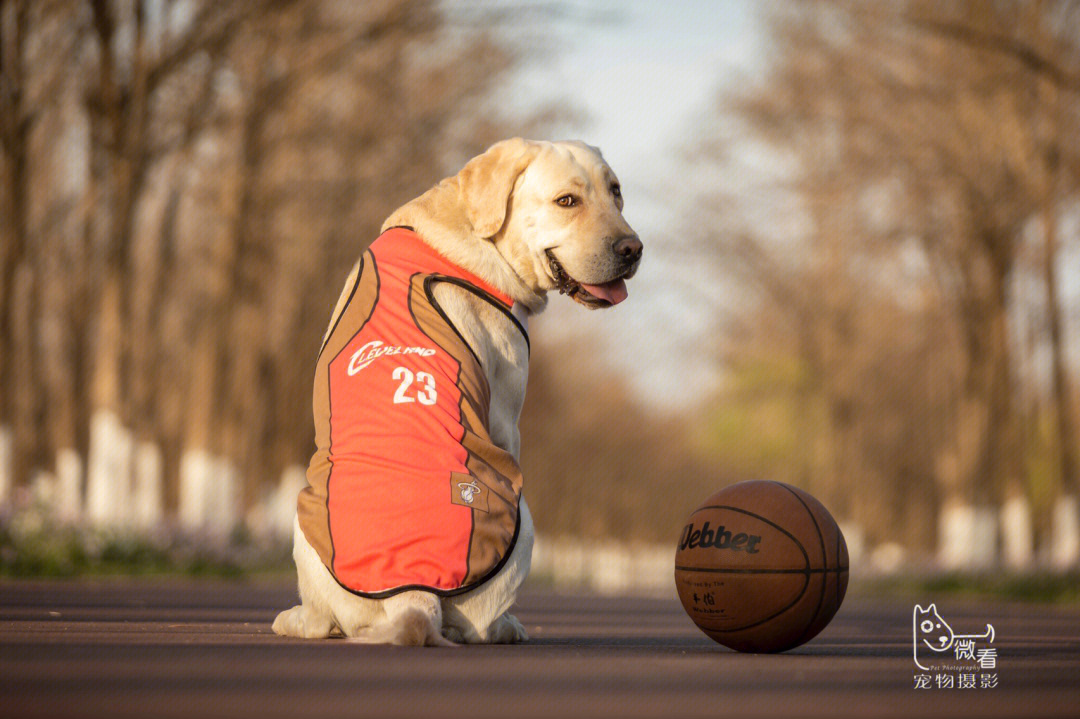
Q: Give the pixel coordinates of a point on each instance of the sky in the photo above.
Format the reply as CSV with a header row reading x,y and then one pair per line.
x,y
645,74
644,78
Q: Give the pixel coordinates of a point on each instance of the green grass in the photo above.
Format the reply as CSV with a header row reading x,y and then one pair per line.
x,y
33,547
42,549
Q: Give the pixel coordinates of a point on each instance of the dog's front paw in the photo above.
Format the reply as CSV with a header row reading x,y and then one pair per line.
x,y
507,630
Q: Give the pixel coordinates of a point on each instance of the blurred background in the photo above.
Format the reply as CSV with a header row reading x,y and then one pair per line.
x,y
862,268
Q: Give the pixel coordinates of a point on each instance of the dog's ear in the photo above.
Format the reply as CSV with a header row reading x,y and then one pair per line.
x,y
487,180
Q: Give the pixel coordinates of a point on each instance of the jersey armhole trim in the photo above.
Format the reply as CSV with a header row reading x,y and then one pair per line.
x,y
429,282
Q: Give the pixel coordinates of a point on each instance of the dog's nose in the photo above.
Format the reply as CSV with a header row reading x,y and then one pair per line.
x,y
628,247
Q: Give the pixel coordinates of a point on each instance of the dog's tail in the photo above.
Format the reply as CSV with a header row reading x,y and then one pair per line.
x,y
415,628
412,619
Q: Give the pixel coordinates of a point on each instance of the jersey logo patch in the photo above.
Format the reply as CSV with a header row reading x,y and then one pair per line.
x,y
468,491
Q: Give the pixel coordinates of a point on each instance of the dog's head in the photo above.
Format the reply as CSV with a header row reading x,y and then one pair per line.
x,y
554,211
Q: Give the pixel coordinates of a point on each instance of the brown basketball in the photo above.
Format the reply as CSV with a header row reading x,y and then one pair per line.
x,y
761,567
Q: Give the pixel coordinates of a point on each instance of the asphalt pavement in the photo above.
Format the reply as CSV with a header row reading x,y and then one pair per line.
x,y
201,648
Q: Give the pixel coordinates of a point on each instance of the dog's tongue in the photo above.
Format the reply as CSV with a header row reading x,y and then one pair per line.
x,y
614,291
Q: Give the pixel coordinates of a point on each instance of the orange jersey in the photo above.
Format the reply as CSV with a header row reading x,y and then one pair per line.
x,y
406,489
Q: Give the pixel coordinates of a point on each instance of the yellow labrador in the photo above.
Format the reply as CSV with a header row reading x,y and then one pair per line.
x,y
525,217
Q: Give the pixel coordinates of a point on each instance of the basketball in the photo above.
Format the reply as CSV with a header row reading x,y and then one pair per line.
x,y
761,567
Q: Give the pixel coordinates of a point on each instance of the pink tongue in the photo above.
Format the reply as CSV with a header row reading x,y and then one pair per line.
x,y
614,291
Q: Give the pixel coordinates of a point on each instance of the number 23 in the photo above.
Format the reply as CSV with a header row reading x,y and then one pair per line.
x,y
425,394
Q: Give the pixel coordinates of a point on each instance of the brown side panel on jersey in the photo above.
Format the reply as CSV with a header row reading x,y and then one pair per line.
x,y
491,538
495,468
311,505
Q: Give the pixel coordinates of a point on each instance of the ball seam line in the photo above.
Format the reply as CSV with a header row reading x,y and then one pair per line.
x,y
824,559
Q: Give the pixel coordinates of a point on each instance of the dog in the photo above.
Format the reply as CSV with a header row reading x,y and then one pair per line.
x,y
398,540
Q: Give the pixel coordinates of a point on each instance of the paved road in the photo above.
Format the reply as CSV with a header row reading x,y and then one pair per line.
x,y
189,649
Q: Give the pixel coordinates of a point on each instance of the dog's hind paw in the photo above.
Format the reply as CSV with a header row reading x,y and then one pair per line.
x,y
303,623
507,630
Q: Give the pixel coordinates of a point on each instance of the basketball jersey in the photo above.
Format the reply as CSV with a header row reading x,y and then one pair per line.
x,y
406,489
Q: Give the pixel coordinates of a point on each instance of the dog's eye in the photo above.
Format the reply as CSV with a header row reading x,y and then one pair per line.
x,y
566,201
616,190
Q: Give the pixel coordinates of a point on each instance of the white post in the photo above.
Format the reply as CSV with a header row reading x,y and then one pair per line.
x,y
954,532
855,539
224,491
968,537
651,569
609,572
43,491
984,545
569,567
1065,533
108,478
7,465
69,476
283,502
1017,534
196,467
148,505
887,558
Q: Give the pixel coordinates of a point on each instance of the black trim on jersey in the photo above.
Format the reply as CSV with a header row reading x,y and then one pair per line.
x,y
441,592
439,310
482,294
330,395
352,293
442,313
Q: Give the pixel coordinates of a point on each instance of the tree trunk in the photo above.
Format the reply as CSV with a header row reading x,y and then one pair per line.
x,y
1003,456
14,148
108,478
1066,458
29,426
59,366
987,447
1065,529
196,460
119,119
